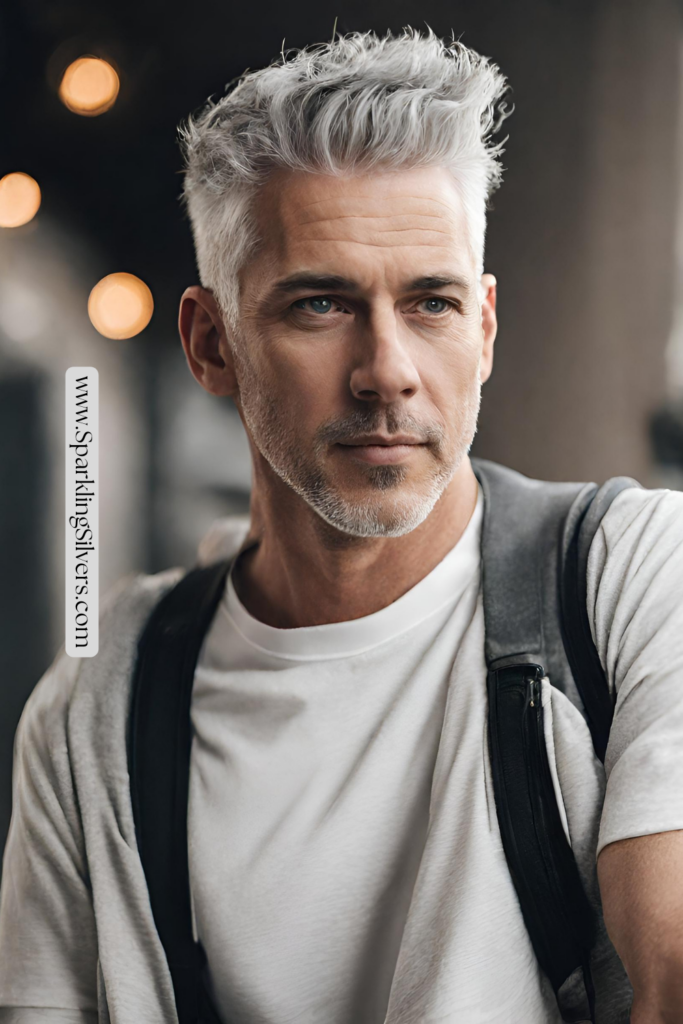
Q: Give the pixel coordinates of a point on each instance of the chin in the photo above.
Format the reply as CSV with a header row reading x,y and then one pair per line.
x,y
392,517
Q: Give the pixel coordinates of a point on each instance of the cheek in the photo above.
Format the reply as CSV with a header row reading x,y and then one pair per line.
x,y
311,384
450,369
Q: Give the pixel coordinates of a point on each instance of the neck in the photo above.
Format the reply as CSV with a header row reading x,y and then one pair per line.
x,y
303,572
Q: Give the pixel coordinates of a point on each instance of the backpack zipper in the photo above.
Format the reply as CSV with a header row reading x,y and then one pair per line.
x,y
541,789
557,913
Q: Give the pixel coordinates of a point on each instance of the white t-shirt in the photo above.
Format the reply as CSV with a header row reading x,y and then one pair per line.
x,y
313,760
345,855
346,858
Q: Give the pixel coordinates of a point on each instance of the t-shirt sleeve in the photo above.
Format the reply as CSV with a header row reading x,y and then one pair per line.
x,y
635,606
48,941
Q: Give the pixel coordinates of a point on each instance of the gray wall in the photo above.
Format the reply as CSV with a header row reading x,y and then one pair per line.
x,y
582,240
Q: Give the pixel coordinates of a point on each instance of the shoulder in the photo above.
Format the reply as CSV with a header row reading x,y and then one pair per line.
x,y
635,604
638,509
641,528
634,598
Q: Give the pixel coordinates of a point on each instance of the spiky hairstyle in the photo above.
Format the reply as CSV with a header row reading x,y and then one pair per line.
x,y
358,103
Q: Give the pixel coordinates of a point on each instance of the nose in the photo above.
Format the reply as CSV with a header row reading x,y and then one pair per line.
x,y
385,369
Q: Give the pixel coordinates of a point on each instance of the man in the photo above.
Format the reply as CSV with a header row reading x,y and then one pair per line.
x,y
345,859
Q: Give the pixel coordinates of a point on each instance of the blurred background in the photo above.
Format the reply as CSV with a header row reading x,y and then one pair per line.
x,y
585,237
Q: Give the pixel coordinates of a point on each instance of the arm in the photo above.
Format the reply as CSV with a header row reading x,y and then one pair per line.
x,y
48,941
636,610
641,883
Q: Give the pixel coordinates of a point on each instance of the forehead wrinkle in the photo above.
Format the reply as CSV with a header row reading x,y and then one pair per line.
x,y
388,244
358,227
297,218
408,220
377,225
419,226
426,231
374,200
389,240
374,216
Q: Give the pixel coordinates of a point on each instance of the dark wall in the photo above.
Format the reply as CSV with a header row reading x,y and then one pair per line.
x,y
24,611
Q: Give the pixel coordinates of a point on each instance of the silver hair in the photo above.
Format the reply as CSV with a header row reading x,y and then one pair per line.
x,y
355,104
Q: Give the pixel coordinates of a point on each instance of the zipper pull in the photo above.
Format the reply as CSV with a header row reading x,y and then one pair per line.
x,y
534,697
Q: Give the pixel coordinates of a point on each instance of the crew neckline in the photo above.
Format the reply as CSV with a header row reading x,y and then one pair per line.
x,y
444,585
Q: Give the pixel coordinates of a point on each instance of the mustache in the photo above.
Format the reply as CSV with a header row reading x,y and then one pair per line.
x,y
387,421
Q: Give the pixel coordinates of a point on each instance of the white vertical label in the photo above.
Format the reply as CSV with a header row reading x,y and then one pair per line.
x,y
82,512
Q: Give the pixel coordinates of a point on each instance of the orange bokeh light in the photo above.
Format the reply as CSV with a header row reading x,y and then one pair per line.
x,y
120,306
19,199
89,86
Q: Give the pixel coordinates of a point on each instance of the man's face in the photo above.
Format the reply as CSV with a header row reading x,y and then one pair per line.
x,y
360,352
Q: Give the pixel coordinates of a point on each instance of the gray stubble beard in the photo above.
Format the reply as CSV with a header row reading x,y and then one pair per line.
x,y
277,443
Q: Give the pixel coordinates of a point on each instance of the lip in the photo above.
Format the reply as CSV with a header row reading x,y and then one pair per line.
x,y
378,439
380,452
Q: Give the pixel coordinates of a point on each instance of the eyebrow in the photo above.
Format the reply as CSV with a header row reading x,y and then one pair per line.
x,y
334,283
318,282
437,281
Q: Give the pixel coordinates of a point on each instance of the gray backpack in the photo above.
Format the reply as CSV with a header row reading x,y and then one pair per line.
x,y
535,543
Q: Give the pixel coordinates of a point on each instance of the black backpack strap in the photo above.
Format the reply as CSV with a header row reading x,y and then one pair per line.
x,y
557,914
581,525
159,746
535,543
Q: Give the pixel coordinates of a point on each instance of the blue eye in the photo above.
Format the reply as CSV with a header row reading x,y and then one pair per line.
x,y
319,304
436,305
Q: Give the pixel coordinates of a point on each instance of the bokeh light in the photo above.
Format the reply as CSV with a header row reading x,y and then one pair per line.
x,y
89,86
19,199
120,306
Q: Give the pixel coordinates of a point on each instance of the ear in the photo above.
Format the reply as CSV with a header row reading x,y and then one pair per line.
x,y
489,324
205,342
